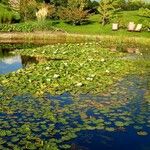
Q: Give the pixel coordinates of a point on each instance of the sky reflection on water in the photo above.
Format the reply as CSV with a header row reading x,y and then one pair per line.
x,y
10,64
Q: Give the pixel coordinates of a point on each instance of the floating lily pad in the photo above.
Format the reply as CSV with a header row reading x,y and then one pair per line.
x,y
111,129
14,139
138,127
142,133
119,123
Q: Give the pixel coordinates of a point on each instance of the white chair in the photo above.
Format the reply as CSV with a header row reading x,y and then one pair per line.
x,y
115,26
138,28
131,26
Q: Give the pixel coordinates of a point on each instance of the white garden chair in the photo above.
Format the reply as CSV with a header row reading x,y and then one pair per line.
x,y
115,26
131,26
138,28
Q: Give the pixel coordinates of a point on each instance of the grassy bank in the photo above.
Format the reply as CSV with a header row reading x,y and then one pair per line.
x,y
59,37
96,28
92,27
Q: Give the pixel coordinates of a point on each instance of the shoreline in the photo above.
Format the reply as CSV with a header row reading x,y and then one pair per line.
x,y
62,37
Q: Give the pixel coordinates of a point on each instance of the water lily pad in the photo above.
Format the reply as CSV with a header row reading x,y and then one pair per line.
x,y
142,133
14,139
138,127
111,129
119,123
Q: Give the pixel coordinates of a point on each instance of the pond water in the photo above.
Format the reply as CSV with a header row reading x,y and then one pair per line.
x,y
118,119
10,62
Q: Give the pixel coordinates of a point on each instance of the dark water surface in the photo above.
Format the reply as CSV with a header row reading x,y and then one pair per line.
x,y
135,113
134,88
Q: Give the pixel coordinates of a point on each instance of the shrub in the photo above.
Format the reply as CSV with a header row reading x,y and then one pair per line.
x,y
146,24
144,12
7,16
4,1
45,10
42,14
122,23
27,27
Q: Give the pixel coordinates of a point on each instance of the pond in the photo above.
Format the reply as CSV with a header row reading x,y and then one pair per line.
x,y
10,62
51,99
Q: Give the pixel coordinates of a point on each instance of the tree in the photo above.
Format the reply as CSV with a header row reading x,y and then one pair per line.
x,y
26,8
107,10
15,5
93,6
135,4
120,4
72,15
81,4
75,12
62,3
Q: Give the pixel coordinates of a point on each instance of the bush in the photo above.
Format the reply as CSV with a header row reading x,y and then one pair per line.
x,y
7,16
46,10
4,1
144,12
27,27
146,24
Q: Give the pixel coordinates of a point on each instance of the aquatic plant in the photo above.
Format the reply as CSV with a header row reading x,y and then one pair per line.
x,y
41,78
119,123
138,127
43,108
110,129
142,133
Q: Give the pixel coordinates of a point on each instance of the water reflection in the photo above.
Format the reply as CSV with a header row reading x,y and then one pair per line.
x,y
10,62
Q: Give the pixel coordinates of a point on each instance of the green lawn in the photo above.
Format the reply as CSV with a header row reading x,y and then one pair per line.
x,y
96,28
93,27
